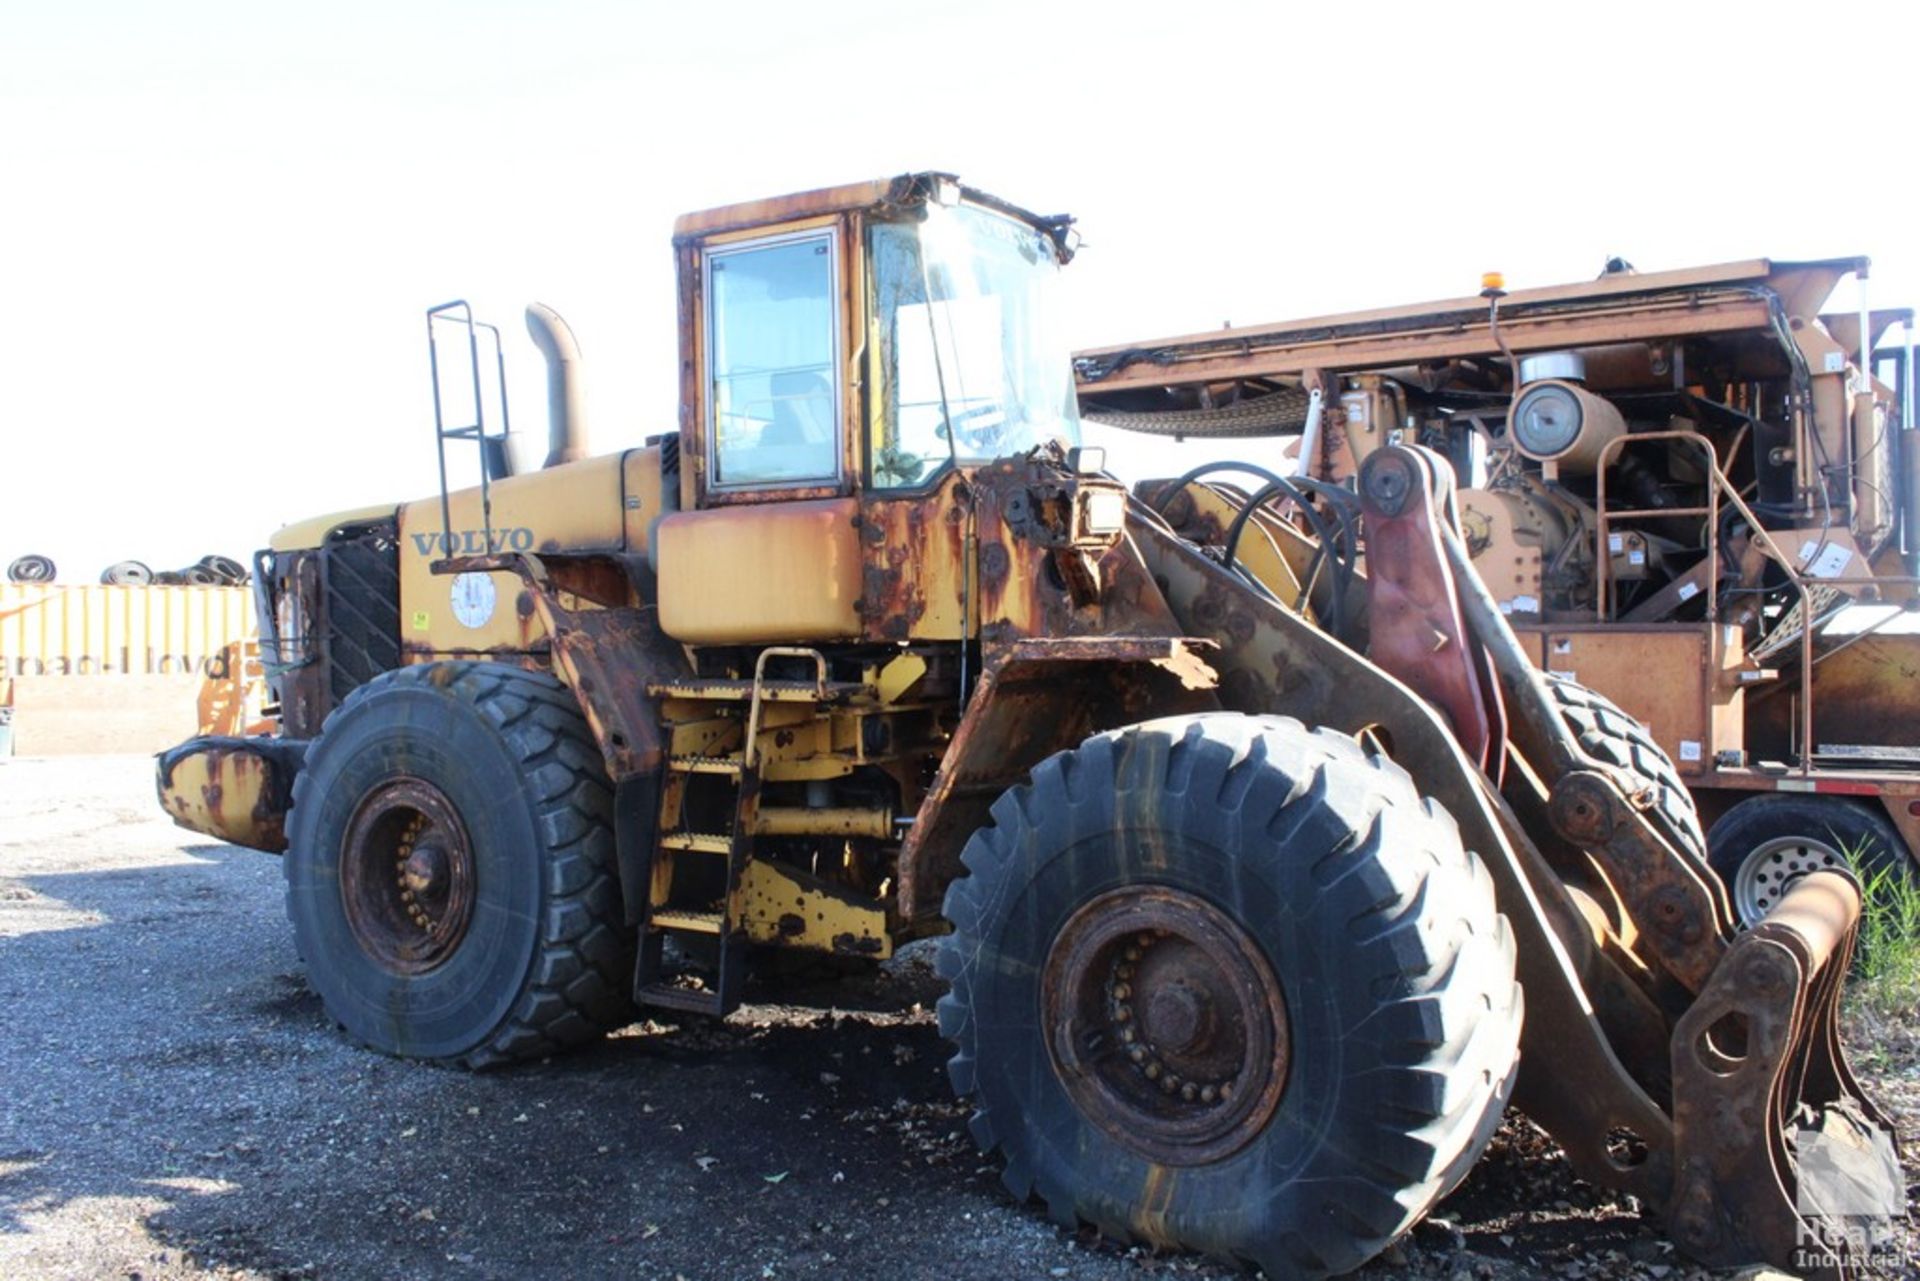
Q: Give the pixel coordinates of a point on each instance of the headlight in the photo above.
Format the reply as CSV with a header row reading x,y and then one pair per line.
x,y
1103,512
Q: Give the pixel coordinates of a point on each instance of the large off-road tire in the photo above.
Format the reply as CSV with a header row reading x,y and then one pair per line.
x,y
1275,921
1766,842
450,870
1610,735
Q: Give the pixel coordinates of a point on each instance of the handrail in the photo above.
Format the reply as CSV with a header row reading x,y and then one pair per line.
x,y
748,750
1763,539
477,431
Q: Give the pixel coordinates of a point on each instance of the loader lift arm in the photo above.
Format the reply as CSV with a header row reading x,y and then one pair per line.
x,y
1747,1114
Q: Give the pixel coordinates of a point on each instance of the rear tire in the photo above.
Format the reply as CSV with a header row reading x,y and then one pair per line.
x,y
1610,735
1339,978
450,872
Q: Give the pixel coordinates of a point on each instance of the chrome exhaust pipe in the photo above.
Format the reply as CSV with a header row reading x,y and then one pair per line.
x,y
566,414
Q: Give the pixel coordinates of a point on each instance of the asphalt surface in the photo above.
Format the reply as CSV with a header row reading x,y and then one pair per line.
x,y
174,1102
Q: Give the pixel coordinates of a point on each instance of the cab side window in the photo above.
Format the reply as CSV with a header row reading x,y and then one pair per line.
x,y
773,402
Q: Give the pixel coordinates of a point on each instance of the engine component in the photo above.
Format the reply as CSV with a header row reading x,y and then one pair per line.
x,y
1530,545
1562,422
1563,366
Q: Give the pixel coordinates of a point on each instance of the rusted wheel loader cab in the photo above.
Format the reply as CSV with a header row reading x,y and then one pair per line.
x,y
1241,922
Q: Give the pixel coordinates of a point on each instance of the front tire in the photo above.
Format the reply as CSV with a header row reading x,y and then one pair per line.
x,y
450,869
1226,983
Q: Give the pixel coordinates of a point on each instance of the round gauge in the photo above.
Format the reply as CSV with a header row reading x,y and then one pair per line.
x,y
1546,420
473,599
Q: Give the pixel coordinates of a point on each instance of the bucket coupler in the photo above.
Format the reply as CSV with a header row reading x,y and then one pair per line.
x,y
1753,1138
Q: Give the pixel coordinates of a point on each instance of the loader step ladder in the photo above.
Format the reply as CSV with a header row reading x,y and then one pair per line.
x,y
681,848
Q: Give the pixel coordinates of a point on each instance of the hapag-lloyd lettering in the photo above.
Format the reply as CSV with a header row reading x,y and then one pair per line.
x,y
150,663
474,542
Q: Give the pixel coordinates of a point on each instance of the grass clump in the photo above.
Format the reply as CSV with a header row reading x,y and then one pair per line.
x,y
1886,971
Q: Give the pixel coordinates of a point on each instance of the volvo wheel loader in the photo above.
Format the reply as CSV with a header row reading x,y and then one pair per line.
x,y
1258,911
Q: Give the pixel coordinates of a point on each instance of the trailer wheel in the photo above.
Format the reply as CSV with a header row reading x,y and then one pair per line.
x,y
1767,842
450,870
1227,983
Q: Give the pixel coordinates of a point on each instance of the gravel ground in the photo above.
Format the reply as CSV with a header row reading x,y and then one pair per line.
x,y
174,1103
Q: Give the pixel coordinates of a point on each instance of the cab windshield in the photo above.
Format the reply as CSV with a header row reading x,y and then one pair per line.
x,y
971,364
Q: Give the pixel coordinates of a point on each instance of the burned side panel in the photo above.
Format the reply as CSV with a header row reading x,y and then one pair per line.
x,y
1037,698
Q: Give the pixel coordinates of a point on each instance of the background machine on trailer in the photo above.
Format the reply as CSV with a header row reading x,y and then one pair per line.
x,y
1243,902
1675,484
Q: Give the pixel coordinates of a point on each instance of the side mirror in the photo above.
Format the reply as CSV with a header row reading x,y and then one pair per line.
x,y
1087,460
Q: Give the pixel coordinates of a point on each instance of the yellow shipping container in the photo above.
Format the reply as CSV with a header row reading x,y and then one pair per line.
x,y
136,631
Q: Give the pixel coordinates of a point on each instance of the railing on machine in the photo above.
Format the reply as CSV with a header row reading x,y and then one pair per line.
x,y
1720,486
492,447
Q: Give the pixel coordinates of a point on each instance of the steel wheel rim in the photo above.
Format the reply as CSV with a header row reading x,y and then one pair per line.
x,y
407,876
1167,1025
1773,866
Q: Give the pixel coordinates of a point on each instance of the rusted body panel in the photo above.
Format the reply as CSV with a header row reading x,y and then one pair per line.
x,y
1037,697
579,507
760,214
913,553
313,531
1613,309
786,907
233,789
788,571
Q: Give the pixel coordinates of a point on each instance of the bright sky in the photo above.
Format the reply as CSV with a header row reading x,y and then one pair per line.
x,y
220,223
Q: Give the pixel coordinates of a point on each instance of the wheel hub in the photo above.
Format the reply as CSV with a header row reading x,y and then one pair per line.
x,y
1168,1027
1178,1018
426,869
1771,869
406,876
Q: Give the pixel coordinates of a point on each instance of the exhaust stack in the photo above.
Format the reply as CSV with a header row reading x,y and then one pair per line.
x,y
566,416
